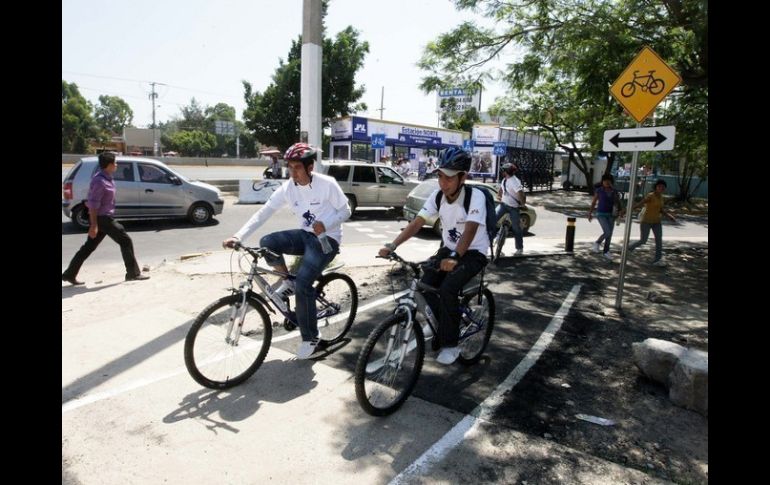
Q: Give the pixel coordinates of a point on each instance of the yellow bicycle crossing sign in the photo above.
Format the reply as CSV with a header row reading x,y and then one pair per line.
x,y
644,84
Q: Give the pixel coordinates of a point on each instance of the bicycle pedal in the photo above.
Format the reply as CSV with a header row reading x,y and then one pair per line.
x,y
289,326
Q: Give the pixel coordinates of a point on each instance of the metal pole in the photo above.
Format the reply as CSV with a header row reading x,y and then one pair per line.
x,y
382,100
154,132
627,232
312,63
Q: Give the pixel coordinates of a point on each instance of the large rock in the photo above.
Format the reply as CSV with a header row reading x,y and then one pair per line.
x,y
689,381
656,358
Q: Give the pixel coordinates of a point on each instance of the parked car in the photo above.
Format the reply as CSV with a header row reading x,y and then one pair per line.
x,y
369,184
146,189
416,200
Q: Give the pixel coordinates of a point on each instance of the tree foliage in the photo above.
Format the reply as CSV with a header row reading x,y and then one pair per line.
x,y
77,123
573,50
274,114
112,114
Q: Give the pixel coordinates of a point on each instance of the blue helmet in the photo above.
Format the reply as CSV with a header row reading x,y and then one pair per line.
x,y
454,160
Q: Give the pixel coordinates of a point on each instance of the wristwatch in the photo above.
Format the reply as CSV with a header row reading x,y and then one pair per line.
x,y
454,255
390,246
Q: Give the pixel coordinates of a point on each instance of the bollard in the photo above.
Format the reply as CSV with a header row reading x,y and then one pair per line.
x,y
569,242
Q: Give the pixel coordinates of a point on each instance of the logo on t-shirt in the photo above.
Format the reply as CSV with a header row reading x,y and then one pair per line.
x,y
309,218
454,235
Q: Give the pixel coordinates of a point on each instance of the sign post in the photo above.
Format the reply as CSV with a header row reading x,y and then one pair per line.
x,y
639,89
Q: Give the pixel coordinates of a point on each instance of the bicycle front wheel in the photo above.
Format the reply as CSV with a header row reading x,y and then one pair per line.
x,y
389,365
500,241
220,355
336,305
476,323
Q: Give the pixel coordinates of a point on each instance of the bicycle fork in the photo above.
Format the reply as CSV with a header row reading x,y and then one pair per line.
x,y
237,317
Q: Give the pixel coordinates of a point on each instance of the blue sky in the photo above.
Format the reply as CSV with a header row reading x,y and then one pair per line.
x,y
205,48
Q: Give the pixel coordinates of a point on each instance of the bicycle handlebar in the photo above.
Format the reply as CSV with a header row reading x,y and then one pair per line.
x,y
256,252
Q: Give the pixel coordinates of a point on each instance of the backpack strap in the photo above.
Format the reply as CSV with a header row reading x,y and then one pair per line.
x,y
438,199
467,200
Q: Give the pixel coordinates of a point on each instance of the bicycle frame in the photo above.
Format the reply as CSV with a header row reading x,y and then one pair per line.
x,y
414,303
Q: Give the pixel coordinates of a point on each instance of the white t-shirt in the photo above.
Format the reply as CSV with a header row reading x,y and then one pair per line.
x,y
453,218
321,200
510,186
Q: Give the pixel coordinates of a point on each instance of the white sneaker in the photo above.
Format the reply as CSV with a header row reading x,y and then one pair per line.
x,y
448,355
306,348
285,288
518,252
595,247
607,255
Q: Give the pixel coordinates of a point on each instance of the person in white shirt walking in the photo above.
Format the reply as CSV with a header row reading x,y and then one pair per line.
x,y
511,193
320,206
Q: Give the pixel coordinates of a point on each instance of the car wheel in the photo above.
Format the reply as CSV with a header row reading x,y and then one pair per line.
x,y
437,227
80,217
524,223
200,213
352,202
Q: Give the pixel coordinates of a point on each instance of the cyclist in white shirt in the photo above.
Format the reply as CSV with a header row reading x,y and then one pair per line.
x,y
463,254
320,207
511,193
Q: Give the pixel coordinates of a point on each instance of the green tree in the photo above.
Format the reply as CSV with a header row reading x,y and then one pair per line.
x,y
573,51
273,115
193,143
458,120
112,114
77,124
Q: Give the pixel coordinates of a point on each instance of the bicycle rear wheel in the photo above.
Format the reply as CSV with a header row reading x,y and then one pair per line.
x,y
384,377
476,325
212,357
336,305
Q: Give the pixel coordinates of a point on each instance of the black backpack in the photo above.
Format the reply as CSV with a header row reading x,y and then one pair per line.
x,y
491,221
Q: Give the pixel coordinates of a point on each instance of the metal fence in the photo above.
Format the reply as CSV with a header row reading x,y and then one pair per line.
x,y
536,167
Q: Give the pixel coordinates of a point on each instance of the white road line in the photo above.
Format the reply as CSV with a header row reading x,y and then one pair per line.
x,y
468,426
99,396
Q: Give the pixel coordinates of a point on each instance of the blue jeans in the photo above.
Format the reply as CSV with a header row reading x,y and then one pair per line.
x,y
657,230
302,243
607,223
518,234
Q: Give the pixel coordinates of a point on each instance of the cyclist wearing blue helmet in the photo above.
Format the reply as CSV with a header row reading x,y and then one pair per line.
x,y
465,245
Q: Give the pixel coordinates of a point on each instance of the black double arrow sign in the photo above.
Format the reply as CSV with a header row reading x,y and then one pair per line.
x,y
658,139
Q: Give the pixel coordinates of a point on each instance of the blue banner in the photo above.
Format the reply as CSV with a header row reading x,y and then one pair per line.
x,y
499,148
468,145
360,128
419,140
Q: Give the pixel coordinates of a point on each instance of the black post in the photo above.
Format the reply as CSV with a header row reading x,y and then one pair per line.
x,y
569,242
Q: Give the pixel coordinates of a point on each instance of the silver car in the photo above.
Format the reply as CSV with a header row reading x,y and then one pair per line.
x,y
416,200
145,189
369,184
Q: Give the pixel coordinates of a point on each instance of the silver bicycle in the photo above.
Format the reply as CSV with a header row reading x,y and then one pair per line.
x,y
229,339
391,360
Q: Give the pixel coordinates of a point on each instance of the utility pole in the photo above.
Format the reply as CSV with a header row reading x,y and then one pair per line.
x,y
382,99
154,95
310,84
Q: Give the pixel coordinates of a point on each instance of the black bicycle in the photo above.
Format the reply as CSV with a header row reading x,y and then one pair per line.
x,y
391,360
229,339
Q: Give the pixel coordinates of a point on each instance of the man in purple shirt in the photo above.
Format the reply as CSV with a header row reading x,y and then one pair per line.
x,y
101,208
